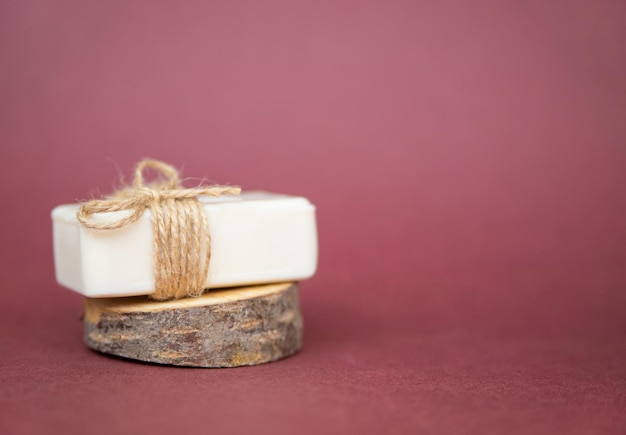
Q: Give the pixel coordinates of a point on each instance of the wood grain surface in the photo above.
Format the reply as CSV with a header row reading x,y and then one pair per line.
x,y
225,328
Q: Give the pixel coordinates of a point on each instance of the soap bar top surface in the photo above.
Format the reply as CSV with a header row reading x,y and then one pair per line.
x,y
256,237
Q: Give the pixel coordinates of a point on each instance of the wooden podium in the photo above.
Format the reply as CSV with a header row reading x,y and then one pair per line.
x,y
222,328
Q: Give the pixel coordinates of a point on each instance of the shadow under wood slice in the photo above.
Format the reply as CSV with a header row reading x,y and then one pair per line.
x,y
222,328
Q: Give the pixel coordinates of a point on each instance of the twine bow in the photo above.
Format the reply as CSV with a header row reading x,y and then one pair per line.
x,y
181,239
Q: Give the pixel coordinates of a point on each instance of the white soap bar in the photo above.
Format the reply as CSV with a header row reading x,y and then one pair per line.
x,y
256,237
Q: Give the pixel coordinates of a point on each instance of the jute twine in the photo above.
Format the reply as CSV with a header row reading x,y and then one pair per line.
x,y
182,243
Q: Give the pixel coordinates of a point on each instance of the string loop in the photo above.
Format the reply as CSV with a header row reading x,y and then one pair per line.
x,y
181,238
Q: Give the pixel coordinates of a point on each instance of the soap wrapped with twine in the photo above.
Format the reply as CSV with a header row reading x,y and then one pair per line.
x,y
181,240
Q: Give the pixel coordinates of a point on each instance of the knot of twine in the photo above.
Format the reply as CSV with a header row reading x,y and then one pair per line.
x,y
181,239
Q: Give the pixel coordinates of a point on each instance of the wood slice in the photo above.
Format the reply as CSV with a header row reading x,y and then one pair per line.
x,y
222,328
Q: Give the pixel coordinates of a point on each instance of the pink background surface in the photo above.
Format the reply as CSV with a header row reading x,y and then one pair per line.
x,y
468,164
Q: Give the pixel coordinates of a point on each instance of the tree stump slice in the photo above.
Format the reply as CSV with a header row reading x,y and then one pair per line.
x,y
222,328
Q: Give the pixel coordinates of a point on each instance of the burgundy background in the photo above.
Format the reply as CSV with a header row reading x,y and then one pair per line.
x,y
468,164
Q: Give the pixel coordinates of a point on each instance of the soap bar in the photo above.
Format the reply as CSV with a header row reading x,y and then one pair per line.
x,y
256,237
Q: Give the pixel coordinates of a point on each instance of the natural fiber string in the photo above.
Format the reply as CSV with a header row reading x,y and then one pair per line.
x,y
182,243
